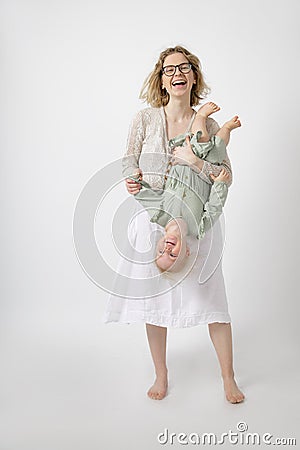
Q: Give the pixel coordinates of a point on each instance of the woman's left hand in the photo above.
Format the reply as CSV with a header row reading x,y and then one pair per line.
x,y
184,155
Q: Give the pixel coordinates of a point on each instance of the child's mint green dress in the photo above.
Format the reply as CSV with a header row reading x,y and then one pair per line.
x,y
185,194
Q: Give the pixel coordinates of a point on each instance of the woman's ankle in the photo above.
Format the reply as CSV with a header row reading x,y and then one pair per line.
x,y
160,373
228,376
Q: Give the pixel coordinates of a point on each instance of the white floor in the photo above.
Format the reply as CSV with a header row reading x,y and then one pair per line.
x,y
82,385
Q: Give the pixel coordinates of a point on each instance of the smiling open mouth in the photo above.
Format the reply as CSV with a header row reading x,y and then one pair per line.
x,y
179,83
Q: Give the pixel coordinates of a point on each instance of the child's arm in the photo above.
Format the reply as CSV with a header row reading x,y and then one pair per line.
x,y
150,199
214,206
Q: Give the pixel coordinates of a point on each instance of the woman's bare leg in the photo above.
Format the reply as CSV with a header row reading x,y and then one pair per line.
x,y
157,339
221,337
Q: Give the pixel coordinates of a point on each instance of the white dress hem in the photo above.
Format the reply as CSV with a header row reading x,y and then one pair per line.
x,y
166,320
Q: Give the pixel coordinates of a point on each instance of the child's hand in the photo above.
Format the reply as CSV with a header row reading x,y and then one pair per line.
x,y
223,176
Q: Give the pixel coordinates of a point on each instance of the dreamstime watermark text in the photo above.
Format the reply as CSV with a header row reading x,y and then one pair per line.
x,y
239,437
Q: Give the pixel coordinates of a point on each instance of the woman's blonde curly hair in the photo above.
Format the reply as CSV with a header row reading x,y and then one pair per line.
x,y
152,91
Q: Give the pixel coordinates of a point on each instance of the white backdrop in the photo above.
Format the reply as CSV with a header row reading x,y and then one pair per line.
x,y
71,73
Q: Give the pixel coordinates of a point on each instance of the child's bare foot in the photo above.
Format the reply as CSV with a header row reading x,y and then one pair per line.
x,y
200,120
232,123
207,109
159,389
232,392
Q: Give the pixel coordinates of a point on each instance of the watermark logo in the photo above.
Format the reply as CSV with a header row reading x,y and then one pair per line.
x,y
115,241
239,437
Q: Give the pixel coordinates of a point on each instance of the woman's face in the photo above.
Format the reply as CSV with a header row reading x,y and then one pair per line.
x,y
179,84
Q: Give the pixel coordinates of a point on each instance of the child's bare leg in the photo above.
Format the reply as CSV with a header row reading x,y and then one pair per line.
x,y
157,338
200,121
224,131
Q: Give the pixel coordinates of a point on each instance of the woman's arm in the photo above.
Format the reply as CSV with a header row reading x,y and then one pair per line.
x,y
136,135
205,169
130,161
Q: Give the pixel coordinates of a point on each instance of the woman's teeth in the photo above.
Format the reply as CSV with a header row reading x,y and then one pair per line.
x,y
178,83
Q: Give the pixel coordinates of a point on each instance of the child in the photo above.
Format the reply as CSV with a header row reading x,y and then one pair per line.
x,y
187,205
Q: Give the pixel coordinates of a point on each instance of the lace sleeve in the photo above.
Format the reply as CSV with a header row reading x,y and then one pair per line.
x,y
136,135
208,168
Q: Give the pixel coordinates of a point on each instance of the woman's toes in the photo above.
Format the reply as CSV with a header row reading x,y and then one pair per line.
x,y
230,398
159,389
233,394
239,398
150,393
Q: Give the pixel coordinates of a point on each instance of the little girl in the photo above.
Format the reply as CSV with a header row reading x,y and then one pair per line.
x,y
185,206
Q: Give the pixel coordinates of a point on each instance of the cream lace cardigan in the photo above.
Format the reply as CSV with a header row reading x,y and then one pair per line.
x,y
148,148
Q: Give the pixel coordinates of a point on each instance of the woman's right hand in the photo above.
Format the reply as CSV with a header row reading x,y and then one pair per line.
x,y
184,155
132,186
223,176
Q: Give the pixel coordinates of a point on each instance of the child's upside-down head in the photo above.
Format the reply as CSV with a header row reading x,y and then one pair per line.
x,y
172,249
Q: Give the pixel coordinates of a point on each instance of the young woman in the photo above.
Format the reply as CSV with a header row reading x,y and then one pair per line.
x,y
172,89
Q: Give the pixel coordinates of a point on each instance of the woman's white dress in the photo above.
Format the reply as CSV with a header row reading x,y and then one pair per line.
x,y
197,294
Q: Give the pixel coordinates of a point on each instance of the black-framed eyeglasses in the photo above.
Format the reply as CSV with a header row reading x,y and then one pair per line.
x,y
183,68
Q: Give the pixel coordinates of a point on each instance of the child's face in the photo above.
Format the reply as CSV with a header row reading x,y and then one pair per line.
x,y
171,249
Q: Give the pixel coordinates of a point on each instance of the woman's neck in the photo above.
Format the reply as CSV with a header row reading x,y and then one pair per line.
x,y
178,110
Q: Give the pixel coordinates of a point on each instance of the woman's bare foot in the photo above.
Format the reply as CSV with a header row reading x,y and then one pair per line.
x,y
233,394
160,387
207,109
232,123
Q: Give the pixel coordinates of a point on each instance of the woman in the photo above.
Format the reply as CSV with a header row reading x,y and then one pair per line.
x,y
172,89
